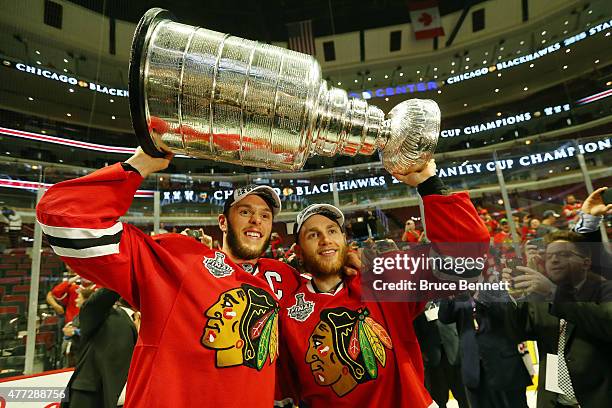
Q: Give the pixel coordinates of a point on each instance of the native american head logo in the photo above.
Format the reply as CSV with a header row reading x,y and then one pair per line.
x,y
242,327
345,348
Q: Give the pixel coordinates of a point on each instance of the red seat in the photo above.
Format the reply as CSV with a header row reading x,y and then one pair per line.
x,y
21,289
9,310
15,298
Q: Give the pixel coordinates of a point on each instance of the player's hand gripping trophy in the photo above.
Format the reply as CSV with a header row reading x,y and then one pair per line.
x,y
209,95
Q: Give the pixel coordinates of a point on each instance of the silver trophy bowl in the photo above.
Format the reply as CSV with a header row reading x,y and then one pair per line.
x,y
209,95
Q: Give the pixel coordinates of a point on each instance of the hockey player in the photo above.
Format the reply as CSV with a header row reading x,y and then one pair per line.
x,y
209,332
340,351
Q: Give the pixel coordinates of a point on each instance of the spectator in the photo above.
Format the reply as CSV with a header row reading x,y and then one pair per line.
x,y
570,210
13,221
489,222
276,245
591,215
530,231
576,330
411,234
108,335
549,219
72,339
492,367
63,296
440,349
372,223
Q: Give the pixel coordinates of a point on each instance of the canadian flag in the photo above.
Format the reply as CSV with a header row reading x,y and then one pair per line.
x,y
425,18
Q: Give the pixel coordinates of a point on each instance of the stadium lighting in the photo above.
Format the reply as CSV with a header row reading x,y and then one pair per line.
x,y
609,83
37,52
590,11
498,113
439,91
386,76
112,100
71,90
38,62
418,72
566,22
544,32
453,63
543,41
527,142
465,105
401,74
496,90
467,59
484,61
597,61
452,71
65,60
565,67
113,117
30,98
467,67
69,114
435,68
501,48
531,65
386,99
568,50
369,78
522,42
356,81
499,74
526,88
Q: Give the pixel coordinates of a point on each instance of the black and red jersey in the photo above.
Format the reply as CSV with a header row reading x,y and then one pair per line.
x,y
209,332
339,351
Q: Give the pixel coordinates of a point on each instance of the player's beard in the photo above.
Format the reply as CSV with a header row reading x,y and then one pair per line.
x,y
241,251
322,268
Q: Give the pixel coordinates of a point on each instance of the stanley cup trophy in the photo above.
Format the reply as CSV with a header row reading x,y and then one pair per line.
x,y
209,95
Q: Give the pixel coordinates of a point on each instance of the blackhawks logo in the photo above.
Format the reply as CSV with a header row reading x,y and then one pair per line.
x,y
217,266
242,327
302,308
345,348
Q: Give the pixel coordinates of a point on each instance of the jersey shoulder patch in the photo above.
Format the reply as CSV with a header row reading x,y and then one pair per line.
x,y
217,266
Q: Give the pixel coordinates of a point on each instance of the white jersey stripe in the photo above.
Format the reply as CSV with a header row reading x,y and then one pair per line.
x,y
92,252
80,233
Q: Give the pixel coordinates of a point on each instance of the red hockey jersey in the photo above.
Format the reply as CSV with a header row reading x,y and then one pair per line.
x,y
349,349
209,333
339,351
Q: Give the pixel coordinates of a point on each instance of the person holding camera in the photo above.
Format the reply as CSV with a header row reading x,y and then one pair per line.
x,y
574,332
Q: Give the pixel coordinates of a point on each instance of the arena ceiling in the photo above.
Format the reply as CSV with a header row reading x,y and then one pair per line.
x,y
56,100
265,20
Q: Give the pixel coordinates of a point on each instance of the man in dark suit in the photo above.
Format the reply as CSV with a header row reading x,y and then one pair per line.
x,y
108,336
574,332
440,348
492,368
